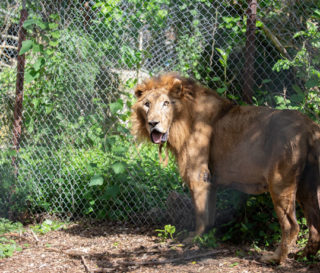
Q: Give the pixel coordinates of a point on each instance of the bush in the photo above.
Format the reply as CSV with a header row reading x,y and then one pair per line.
x,y
13,196
112,183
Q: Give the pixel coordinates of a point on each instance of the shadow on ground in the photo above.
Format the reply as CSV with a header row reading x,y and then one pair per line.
x,y
118,248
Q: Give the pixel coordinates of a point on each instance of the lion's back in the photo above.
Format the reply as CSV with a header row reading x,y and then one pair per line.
x,y
250,142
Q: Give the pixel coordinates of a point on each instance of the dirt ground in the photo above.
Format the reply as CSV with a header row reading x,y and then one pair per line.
x,y
96,247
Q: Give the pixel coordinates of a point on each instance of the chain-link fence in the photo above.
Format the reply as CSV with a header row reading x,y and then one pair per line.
x,y
71,154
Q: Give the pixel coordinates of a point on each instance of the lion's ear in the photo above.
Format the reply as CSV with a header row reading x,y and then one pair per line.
x,y
139,90
176,88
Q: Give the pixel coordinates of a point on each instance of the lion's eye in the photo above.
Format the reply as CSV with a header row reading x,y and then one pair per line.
x,y
166,103
147,104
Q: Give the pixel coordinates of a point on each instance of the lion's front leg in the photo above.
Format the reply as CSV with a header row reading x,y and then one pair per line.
x,y
202,188
204,198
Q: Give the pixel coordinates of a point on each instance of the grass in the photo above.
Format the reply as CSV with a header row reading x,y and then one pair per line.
x,y
9,246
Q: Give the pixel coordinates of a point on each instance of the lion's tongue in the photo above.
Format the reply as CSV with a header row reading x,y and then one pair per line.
x,y
156,137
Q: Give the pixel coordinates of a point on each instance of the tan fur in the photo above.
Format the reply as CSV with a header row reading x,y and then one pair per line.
x,y
252,149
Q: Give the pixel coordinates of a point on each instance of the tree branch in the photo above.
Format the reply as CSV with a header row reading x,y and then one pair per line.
x,y
275,41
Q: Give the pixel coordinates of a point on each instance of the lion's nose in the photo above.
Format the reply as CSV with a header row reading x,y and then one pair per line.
x,y
153,123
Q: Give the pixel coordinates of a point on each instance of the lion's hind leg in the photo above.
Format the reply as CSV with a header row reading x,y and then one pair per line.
x,y
308,195
284,197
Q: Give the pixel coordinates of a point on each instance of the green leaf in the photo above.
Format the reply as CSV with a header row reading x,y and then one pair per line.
x,y
297,89
34,21
266,81
53,43
96,180
54,16
196,22
49,51
194,12
39,63
116,106
312,83
93,165
37,48
41,24
298,34
55,34
26,46
53,25
244,227
29,76
118,167
49,109
162,13
29,22
111,192
119,149
221,90
259,24
216,79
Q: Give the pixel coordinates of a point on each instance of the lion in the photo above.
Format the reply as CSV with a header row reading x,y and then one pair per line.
x,y
253,149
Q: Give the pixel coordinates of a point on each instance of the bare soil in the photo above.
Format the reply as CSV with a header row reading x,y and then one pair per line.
x,y
85,247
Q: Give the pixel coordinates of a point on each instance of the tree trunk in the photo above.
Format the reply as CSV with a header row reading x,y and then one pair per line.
x,y
248,73
17,123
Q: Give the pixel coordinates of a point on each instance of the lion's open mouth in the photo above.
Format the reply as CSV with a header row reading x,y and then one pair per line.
x,y
158,137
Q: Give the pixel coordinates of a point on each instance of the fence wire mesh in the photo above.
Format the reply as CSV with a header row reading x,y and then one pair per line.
x,y
82,59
